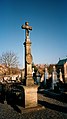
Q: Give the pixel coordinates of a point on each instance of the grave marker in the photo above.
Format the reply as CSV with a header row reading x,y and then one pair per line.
x,y
30,90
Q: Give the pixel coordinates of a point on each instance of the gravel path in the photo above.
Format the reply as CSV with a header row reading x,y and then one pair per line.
x,y
50,109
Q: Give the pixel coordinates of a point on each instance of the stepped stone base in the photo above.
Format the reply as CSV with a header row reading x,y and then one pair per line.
x,y
30,96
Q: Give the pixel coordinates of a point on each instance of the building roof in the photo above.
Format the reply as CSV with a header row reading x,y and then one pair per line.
x,y
62,62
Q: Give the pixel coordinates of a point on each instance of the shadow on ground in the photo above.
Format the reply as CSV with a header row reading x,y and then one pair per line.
x,y
16,108
62,97
53,106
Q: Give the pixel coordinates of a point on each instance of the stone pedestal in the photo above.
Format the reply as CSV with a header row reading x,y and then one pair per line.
x,y
30,96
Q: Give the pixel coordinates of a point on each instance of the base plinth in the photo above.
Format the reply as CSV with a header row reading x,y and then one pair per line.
x,y
30,96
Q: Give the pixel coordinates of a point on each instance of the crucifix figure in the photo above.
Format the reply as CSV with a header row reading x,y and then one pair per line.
x,y
28,56
27,28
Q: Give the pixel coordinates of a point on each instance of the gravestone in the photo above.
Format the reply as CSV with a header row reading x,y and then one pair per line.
x,y
60,76
54,77
30,90
37,77
46,75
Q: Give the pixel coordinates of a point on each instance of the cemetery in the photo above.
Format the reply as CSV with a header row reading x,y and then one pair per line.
x,y
24,90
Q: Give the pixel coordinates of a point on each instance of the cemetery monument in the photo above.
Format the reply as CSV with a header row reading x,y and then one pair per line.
x,y
46,75
54,77
61,78
30,90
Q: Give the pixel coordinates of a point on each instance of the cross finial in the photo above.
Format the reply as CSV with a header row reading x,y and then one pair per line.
x,y
27,28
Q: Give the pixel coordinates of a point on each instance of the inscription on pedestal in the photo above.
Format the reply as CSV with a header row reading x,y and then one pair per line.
x,y
30,96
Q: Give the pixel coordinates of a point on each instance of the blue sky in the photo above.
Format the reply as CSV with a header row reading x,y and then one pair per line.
x,y
48,19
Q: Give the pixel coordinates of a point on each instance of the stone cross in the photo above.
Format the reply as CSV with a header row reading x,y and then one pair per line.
x,y
28,56
27,28
29,89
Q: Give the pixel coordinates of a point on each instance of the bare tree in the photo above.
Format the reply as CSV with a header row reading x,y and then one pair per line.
x,y
10,59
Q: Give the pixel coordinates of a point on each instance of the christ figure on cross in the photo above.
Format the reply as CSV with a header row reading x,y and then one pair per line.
x,y
27,28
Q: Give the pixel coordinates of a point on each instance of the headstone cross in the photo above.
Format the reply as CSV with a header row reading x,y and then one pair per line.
x,y
28,56
29,89
27,28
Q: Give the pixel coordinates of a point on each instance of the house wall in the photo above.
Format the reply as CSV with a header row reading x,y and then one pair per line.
x,y
65,72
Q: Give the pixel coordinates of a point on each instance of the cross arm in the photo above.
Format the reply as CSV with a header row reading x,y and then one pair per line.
x,y
26,27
